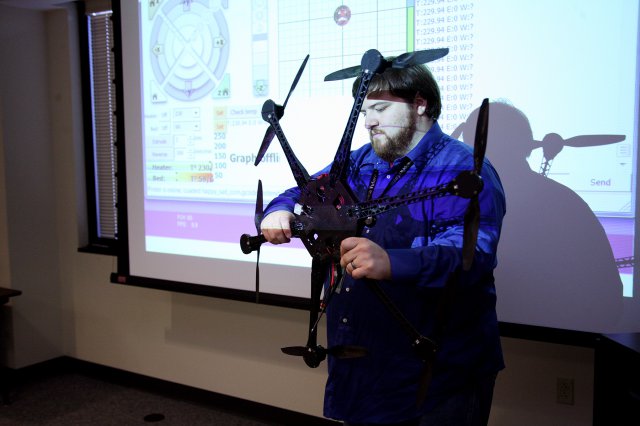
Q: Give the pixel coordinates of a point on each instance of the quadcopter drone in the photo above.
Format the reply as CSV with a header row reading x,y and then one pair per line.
x,y
331,212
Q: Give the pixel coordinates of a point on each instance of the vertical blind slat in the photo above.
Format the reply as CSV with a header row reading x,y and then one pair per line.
x,y
103,99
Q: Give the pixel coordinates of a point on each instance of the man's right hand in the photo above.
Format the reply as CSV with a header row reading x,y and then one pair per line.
x,y
275,227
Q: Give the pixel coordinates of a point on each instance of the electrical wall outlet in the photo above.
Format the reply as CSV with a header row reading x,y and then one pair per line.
x,y
564,391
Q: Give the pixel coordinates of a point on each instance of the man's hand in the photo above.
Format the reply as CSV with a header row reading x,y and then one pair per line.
x,y
362,258
275,227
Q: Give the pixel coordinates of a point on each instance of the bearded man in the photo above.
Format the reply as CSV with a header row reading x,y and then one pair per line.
x,y
411,252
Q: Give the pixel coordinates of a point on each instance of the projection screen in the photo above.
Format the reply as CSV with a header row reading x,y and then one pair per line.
x,y
562,77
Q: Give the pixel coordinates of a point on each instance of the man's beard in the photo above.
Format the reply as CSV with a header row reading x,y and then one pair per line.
x,y
392,148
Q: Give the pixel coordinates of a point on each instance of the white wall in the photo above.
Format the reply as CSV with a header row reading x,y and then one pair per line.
x,y
29,185
68,306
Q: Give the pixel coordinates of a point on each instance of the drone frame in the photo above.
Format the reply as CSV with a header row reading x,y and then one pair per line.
x,y
331,212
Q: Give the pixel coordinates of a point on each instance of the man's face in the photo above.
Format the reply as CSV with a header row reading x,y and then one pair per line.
x,y
391,122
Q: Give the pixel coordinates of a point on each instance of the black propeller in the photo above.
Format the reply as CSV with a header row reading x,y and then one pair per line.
x,y
315,355
403,61
270,133
257,218
472,215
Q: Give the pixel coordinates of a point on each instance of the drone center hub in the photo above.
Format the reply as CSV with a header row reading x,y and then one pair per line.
x,y
325,221
466,185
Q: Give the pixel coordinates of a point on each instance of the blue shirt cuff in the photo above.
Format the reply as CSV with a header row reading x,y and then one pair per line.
x,y
406,264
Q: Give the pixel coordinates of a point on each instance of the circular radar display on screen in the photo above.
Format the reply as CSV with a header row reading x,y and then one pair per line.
x,y
190,48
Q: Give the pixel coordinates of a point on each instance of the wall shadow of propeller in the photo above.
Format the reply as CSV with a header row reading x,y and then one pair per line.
x,y
552,144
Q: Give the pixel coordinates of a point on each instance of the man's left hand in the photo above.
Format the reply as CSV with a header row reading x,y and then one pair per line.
x,y
362,258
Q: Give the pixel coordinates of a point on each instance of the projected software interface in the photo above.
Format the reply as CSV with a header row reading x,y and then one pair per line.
x,y
207,68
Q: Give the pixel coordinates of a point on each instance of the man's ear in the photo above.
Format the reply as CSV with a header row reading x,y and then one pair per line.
x,y
420,104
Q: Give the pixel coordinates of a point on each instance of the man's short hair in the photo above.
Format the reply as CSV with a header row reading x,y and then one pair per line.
x,y
406,83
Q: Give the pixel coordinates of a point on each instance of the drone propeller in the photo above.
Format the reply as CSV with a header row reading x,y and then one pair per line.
x,y
257,218
319,353
403,61
264,146
472,215
270,133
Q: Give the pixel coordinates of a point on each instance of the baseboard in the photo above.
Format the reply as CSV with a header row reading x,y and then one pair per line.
x,y
169,389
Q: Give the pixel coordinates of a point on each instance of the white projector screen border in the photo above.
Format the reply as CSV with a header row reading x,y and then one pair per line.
x,y
190,143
